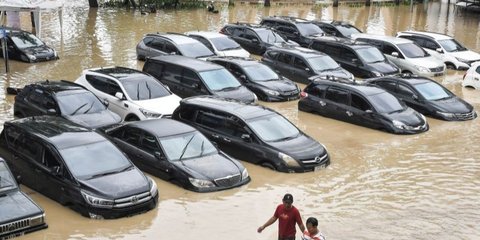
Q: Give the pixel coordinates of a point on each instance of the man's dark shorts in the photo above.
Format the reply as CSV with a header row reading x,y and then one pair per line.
x,y
286,238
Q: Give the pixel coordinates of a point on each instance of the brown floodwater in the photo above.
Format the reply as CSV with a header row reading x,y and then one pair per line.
x,y
378,186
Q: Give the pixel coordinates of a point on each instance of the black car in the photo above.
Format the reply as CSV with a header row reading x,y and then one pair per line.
x,y
362,60
26,47
65,99
76,167
299,30
253,133
176,152
299,64
19,214
259,78
426,96
337,28
254,38
191,77
361,104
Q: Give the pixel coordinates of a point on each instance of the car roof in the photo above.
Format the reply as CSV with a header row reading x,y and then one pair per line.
x,y
289,19
186,62
60,132
252,26
413,79
389,39
162,127
178,38
364,89
301,51
342,41
119,73
206,34
58,86
14,31
241,61
239,109
437,36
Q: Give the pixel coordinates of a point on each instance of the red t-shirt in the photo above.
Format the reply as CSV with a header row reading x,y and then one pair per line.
x,y
287,220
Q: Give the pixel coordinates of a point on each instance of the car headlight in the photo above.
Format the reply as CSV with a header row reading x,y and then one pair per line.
x,y
462,60
55,54
271,92
422,69
255,98
31,57
244,174
96,201
150,114
399,124
153,187
377,74
200,183
447,115
37,220
291,162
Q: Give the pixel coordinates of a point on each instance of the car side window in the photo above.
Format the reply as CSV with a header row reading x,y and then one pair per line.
x,y
478,69
148,41
272,54
214,121
389,49
11,137
204,41
387,85
319,46
156,44
187,113
237,126
103,84
49,159
235,70
191,79
430,44
172,73
405,91
347,54
360,103
299,63
149,143
30,148
337,95
171,49
236,32
249,34
317,91
329,30
285,58
36,97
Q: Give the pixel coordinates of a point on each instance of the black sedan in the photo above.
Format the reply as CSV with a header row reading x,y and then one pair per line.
x,y
26,47
176,152
427,97
364,105
259,78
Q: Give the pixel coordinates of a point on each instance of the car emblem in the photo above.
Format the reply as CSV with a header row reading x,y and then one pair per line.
x,y
317,159
134,199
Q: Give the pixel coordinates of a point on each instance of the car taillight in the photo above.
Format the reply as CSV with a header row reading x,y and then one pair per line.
x,y
464,75
222,31
303,94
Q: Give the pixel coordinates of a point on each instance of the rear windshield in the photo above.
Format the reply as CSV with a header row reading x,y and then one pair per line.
x,y
144,88
224,43
412,50
195,50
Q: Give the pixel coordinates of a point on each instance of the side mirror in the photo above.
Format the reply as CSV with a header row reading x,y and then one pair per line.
x,y
173,53
119,95
415,97
369,111
56,171
243,78
254,40
215,144
439,50
159,156
307,69
105,102
355,61
51,112
395,54
246,137
19,179
196,86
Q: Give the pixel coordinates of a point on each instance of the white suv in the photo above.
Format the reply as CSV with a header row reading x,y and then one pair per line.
x,y
407,55
220,44
472,76
452,52
132,94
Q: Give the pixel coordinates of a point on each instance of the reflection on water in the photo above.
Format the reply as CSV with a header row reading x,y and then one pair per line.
x,y
379,186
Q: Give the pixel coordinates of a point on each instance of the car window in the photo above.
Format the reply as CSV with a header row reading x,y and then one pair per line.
x,y
237,32
405,90
478,69
187,113
272,54
285,58
224,43
269,36
77,103
191,79
49,159
412,50
430,44
451,45
103,84
385,102
219,79
130,135
147,41
389,49
328,29
156,44
149,143
359,102
11,137
299,63
267,128
433,91
323,63
215,121
195,50
40,98
337,95
249,35
188,145
26,40
236,70
144,87
308,29
171,49
204,42
172,73
387,85
371,55
347,30
7,182
347,54
317,91
260,72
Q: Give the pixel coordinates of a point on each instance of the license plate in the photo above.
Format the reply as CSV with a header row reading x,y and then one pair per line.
x,y
320,167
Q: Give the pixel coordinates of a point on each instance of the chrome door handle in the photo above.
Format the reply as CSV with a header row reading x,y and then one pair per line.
x,y
349,113
227,140
322,103
215,136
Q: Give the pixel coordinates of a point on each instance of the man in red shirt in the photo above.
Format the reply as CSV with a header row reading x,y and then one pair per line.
x,y
287,216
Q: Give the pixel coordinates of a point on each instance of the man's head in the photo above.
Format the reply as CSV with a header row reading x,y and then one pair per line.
x,y
312,224
287,200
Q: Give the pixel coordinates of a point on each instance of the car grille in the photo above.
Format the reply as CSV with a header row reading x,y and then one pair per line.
x,y
465,116
290,93
14,226
132,200
228,180
316,161
438,69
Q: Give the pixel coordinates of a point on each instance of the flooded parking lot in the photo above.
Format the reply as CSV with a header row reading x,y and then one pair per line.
x,y
378,186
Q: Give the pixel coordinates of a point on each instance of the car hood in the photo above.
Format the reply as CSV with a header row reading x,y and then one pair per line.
x,y
241,94
95,120
209,167
280,85
301,147
163,105
428,62
39,50
467,55
340,73
16,205
288,43
452,105
118,185
408,116
234,53
383,67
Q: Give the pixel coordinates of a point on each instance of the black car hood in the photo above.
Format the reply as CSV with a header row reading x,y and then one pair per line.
x,y
118,185
452,105
241,94
301,147
15,205
209,167
95,120
408,116
279,85
383,67
340,73
39,50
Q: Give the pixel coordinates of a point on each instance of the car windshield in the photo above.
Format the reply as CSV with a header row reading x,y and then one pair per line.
x,y
26,40
432,91
385,102
451,45
186,146
323,63
144,88
347,30
412,50
309,29
371,55
6,180
269,36
219,79
224,43
195,50
273,127
260,72
94,159
79,103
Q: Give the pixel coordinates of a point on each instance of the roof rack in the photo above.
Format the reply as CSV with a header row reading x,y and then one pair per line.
x,y
296,19
235,58
176,33
247,24
332,78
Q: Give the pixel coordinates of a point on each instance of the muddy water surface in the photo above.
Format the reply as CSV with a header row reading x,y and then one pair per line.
x,y
379,186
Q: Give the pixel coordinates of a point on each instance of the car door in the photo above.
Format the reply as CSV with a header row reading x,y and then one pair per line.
x,y
192,85
389,49
301,70
337,103
283,64
156,47
316,99
253,42
349,60
361,112
411,98
150,153
38,102
239,141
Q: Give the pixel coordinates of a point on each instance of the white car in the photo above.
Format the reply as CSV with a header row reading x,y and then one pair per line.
x,y
220,44
132,94
472,76
452,52
407,55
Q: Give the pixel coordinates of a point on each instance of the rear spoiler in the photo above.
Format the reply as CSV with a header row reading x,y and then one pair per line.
x,y
14,91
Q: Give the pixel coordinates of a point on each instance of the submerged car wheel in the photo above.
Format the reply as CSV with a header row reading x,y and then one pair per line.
x,y
268,165
131,118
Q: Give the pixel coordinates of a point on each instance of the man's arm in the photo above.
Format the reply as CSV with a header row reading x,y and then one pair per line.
x,y
299,222
268,223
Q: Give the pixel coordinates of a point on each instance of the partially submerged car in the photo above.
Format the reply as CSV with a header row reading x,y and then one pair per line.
x,y
19,214
176,152
26,47
471,78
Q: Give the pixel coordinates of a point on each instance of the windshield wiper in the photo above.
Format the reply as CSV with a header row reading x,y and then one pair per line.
x,y
149,91
76,110
444,98
185,148
91,105
138,91
229,88
112,172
